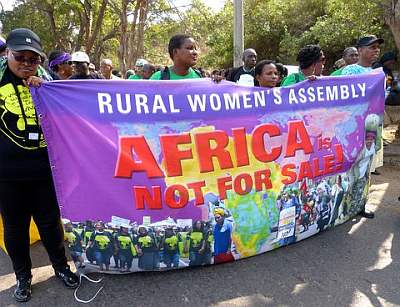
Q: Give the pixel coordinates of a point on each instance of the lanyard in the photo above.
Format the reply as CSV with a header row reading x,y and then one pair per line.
x,y
24,114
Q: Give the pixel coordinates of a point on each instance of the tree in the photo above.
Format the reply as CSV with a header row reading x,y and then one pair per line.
x,y
391,14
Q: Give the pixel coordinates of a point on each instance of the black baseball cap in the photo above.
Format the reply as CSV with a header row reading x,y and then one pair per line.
x,y
368,40
22,39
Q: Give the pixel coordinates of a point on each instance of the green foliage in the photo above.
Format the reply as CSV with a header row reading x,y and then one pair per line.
x,y
341,25
277,29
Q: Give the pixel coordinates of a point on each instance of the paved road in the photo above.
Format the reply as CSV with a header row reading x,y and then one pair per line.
x,y
355,264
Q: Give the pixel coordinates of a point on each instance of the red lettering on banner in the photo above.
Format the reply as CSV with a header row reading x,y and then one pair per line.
x,y
339,156
239,180
198,193
224,184
317,171
329,164
142,196
145,162
172,155
241,148
289,170
298,139
258,144
176,196
262,178
305,171
219,151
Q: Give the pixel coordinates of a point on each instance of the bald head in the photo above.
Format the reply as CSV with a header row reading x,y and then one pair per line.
x,y
249,58
350,55
106,68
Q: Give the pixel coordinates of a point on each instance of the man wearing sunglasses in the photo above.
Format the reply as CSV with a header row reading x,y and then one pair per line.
x,y
80,66
26,186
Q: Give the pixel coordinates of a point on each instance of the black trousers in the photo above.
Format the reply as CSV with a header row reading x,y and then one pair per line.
x,y
21,200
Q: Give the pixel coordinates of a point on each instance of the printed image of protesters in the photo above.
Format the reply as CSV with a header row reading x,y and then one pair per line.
x,y
222,237
360,172
87,233
209,244
182,250
338,191
159,237
124,248
195,244
102,244
288,200
113,230
147,249
323,206
75,242
171,248
305,219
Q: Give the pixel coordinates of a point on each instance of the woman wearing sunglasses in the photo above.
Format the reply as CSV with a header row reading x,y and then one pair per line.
x,y
26,185
60,66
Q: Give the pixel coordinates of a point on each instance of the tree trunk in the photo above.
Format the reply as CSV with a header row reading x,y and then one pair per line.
x,y
123,39
131,52
93,34
142,24
395,28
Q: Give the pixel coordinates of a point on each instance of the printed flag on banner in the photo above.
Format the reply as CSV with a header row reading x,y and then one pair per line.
x,y
252,168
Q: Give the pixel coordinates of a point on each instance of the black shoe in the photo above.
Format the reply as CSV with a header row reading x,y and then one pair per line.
x,y
69,279
376,173
23,290
368,215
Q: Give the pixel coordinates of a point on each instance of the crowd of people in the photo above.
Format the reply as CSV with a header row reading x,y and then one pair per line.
x,y
26,185
154,247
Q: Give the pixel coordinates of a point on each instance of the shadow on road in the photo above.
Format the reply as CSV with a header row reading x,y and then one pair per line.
x,y
355,264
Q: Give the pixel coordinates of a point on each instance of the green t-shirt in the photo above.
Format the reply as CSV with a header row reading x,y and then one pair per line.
x,y
173,76
293,79
337,72
135,77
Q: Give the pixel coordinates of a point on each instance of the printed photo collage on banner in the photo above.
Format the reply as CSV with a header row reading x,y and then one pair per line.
x,y
188,173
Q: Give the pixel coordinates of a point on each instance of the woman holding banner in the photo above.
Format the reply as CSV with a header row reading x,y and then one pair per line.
x,y
26,184
311,60
183,52
266,74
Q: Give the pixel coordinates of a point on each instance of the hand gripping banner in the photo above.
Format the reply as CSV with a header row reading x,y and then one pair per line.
x,y
153,175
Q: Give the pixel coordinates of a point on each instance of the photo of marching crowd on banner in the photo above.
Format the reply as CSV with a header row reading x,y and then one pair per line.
x,y
123,246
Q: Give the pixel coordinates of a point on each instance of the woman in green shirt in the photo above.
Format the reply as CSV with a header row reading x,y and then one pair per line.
x,y
183,52
311,60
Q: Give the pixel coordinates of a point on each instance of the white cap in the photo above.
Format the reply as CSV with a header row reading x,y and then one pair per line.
x,y
65,221
141,62
80,56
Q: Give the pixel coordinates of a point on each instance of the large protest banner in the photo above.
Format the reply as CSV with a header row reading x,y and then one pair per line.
x,y
160,174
